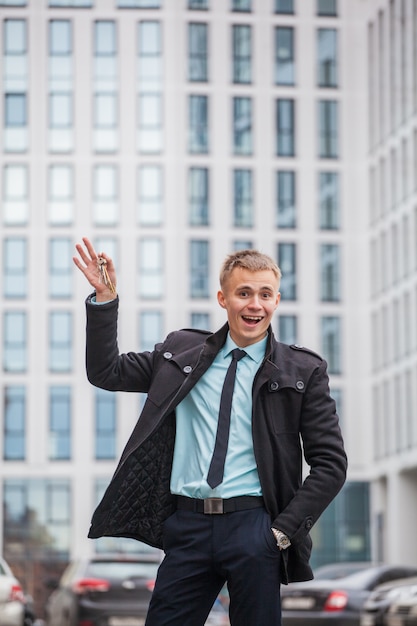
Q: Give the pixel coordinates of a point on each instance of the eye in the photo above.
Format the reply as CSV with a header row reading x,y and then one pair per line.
x,y
243,294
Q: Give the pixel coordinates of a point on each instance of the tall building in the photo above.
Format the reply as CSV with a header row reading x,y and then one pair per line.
x,y
171,132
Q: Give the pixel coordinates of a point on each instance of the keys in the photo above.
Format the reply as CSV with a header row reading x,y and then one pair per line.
x,y
103,274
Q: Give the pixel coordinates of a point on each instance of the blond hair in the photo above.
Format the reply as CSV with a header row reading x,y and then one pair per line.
x,y
251,260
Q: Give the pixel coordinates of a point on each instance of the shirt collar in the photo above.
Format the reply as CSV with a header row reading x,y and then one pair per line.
x,y
256,351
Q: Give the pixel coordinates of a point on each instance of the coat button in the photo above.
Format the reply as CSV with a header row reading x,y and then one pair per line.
x,y
300,385
308,524
167,355
274,386
187,369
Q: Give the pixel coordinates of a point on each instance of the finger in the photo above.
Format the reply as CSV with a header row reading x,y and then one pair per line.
x,y
90,248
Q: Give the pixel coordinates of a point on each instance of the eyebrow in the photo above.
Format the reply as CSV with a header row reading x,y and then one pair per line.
x,y
249,288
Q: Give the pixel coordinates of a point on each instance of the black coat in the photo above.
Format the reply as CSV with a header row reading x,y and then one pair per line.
x,y
292,413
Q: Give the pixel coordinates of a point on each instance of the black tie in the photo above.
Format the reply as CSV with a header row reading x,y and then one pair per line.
x,y
215,473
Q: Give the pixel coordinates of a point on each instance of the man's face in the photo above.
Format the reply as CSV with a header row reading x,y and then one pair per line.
x,y
250,299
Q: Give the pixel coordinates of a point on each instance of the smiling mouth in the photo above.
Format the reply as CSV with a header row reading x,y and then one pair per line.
x,y
252,319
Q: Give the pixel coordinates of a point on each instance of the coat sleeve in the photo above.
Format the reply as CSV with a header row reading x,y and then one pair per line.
x,y
324,453
106,368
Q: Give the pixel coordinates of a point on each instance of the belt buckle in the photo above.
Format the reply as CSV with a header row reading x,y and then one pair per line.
x,y
213,506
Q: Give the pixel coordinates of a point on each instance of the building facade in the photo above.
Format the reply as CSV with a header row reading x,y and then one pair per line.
x,y
171,132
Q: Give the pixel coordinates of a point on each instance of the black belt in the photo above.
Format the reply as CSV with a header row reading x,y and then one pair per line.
x,y
212,506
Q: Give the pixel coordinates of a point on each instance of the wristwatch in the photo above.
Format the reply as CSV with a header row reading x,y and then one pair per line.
x,y
281,538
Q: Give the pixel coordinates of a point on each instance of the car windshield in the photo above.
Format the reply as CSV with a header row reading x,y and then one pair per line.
x,y
339,570
121,570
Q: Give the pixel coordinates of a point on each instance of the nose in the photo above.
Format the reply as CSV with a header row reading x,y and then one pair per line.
x,y
254,302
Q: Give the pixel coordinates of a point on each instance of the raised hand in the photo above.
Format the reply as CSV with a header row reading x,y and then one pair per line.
x,y
98,269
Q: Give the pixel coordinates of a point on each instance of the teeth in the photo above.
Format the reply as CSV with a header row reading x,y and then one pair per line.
x,y
254,319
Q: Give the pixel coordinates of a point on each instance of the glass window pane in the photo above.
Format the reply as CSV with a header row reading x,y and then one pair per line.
x,y
105,425
150,195
330,272
329,200
327,57
197,52
285,128
198,124
327,7
15,110
150,329
286,203
242,54
60,341
243,200
331,343
287,329
287,263
60,36
284,6
15,341
199,269
14,37
15,267
242,125
284,56
198,196
328,129
14,438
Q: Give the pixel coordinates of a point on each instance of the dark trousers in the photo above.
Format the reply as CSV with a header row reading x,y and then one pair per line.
x,y
201,553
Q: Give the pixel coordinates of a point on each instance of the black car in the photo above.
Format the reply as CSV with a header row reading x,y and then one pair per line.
x,y
378,603
104,591
336,595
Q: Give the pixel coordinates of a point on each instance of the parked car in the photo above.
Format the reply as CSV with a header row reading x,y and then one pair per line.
x,y
13,605
336,595
104,591
403,611
381,598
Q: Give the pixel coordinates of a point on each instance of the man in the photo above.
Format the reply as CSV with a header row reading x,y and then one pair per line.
x,y
220,490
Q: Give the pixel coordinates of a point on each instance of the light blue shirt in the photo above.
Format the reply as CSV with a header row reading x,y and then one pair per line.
x,y
197,417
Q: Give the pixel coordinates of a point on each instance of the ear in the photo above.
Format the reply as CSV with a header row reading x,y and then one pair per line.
x,y
278,299
221,299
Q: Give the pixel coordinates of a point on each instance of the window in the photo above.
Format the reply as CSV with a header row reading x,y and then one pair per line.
x,y
284,56
287,329
242,244
151,268
331,343
198,196
15,341
150,329
328,129
242,55
242,126
287,264
60,267
150,191
48,525
60,423
15,84
200,320
198,4
245,6
327,7
15,110
197,53
60,87
284,6
15,268
330,272
85,4
13,3
60,341
329,213
61,195
199,269
150,113
285,128
15,195
14,437
198,125
139,4
286,204
327,74
14,37
105,112
60,38
105,195
150,122
243,198
105,425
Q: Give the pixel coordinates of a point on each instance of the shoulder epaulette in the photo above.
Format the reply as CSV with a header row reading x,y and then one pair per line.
x,y
196,330
296,346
